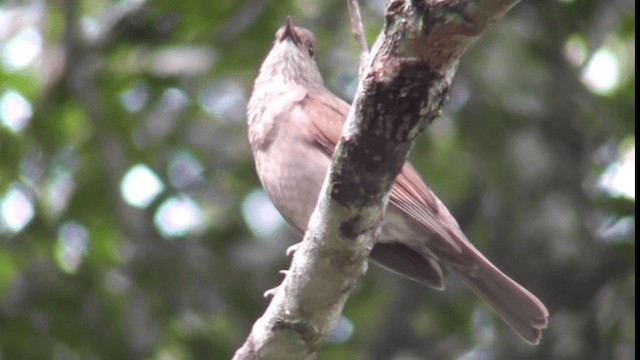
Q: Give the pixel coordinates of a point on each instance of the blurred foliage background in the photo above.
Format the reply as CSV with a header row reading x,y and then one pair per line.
x,y
132,224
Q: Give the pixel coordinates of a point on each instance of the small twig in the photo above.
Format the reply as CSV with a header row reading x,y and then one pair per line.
x,y
358,32
356,25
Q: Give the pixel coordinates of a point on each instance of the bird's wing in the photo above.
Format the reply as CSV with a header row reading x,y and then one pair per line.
x,y
326,113
412,196
409,193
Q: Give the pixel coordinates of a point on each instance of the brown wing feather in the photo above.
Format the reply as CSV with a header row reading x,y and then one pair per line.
x,y
409,194
327,114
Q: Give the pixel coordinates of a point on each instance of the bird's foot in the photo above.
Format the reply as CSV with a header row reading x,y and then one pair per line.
x,y
291,250
271,292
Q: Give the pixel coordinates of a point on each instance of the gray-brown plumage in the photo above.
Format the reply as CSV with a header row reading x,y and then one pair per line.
x,y
294,125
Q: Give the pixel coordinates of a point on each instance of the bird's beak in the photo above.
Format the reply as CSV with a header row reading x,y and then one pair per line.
x,y
290,32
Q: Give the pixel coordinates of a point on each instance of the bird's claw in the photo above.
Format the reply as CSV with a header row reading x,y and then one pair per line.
x,y
291,250
272,292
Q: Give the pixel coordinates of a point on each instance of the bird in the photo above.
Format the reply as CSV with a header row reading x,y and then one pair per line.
x,y
294,123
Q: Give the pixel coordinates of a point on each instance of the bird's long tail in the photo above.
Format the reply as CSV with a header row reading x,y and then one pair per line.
x,y
515,304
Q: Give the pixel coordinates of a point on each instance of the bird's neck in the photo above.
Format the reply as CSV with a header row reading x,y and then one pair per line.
x,y
290,69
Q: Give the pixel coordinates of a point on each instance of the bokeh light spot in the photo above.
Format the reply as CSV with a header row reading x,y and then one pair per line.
x,y
15,110
602,72
140,186
184,169
260,215
619,178
59,191
174,99
16,209
22,49
341,331
135,98
178,216
72,246
575,50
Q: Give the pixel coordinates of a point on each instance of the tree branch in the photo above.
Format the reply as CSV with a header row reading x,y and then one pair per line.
x,y
405,84
356,25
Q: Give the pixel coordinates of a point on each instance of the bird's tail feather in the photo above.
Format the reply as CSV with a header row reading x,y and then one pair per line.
x,y
516,305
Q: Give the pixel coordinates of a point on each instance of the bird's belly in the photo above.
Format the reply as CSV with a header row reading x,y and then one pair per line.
x,y
293,178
